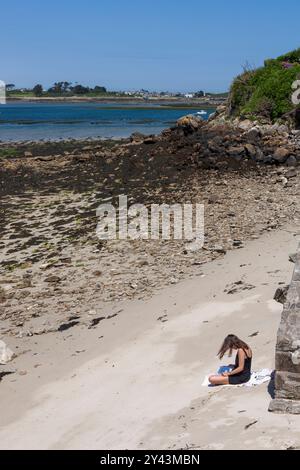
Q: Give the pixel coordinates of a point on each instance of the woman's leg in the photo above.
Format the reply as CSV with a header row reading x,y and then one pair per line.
x,y
218,380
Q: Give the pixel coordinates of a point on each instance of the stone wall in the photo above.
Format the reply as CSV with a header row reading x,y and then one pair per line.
x,y
287,376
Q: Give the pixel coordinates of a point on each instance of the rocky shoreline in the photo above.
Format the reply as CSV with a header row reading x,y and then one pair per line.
x,y
56,274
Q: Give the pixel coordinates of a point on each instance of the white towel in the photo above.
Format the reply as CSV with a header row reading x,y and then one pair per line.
x,y
257,378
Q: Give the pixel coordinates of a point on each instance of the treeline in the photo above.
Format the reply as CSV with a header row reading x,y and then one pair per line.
x,y
58,89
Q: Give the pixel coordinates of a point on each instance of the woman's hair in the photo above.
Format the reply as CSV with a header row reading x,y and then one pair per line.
x,y
231,342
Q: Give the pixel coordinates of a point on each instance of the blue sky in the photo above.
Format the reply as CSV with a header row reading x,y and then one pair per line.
x,y
157,44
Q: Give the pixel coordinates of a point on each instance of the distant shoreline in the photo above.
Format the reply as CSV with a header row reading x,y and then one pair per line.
x,y
171,102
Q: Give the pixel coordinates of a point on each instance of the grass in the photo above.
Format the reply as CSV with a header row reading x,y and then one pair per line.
x,y
266,92
8,152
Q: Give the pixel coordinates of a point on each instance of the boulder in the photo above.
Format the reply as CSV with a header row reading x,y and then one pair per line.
x,y
253,135
281,155
190,123
236,152
245,125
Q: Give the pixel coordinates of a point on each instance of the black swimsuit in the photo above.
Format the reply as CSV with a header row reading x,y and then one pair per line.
x,y
243,376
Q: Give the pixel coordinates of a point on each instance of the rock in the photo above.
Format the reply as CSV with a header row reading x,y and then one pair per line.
x,y
291,173
245,125
237,287
260,156
213,146
150,140
97,273
96,321
281,155
268,160
253,135
287,355
133,285
237,243
291,161
65,260
219,249
251,150
283,180
27,154
212,116
190,123
281,294
280,128
293,257
236,151
53,279
255,153
67,326
2,294
221,109
214,199
6,355
45,159
137,137
284,406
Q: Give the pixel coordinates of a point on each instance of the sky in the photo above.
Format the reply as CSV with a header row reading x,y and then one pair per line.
x,y
152,44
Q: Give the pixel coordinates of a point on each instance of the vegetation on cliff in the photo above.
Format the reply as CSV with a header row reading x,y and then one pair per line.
x,y
266,92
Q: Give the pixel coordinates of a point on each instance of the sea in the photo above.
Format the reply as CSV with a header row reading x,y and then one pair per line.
x,y
36,121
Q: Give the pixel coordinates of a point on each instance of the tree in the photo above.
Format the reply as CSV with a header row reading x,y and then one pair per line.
x,y
80,90
38,90
9,86
66,86
100,89
60,88
199,94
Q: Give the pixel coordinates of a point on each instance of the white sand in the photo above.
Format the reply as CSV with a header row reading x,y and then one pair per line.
x,y
140,385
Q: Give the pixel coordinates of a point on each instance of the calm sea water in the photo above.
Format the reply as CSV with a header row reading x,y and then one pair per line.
x,y
54,121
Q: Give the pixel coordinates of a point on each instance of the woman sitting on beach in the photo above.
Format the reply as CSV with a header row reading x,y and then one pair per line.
x,y
241,372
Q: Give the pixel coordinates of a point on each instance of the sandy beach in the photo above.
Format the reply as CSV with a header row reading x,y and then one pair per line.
x,y
134,382
149,231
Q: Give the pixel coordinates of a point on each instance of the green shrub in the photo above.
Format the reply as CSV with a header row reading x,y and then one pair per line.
x,y
292,57
266,92
8,152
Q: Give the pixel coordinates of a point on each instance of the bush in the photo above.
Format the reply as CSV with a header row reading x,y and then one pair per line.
x,y
292,57
266,92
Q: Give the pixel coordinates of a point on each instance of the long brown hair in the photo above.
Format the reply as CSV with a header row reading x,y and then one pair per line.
x,y
231,342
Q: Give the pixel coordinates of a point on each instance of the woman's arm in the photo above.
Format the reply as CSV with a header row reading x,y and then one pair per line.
x,y
241,366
